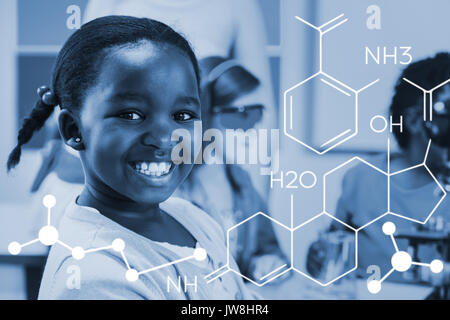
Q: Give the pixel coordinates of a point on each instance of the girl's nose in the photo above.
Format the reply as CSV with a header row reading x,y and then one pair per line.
x,y
159,136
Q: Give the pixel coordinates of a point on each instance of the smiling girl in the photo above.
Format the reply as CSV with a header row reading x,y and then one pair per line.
x,y
123,85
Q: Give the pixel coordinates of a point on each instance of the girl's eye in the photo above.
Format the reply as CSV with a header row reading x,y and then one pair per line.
x,y
183,116
130,116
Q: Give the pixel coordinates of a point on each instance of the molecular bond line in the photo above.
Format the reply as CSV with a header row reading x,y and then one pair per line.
x,y
401,261
48,236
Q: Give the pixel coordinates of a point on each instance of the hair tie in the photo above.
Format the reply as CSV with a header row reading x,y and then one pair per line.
x,y
47,96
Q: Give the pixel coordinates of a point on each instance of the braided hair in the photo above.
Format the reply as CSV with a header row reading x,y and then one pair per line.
x,y
427,73
34,122
79,62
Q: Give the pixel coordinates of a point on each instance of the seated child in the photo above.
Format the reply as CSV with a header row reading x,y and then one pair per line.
x,y
413,193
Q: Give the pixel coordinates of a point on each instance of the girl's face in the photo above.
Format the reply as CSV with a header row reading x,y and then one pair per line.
x,y
143,93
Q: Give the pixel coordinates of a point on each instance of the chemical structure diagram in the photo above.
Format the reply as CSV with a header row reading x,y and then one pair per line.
x,y
401,261
49,235
291,96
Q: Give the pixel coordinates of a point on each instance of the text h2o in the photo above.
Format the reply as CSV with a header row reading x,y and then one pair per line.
x,y
292,179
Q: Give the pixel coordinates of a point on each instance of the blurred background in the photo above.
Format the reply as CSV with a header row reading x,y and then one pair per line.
x,y
33,32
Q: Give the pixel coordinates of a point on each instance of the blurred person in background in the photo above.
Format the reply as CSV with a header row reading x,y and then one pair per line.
x,y
228,102
413,193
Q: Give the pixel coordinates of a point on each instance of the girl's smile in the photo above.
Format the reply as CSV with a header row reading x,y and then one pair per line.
x,y
154,173
152,169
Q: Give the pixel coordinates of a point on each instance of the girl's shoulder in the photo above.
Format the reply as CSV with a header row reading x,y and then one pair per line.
x,y
194,219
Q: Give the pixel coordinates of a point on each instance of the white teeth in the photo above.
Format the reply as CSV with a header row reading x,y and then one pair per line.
x,y
152,168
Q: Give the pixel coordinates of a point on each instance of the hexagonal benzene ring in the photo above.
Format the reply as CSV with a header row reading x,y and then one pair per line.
x,y
258,220
335,110
360,183
415,208
334,254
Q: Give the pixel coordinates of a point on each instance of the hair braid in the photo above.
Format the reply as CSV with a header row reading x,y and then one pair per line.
x,y
34,122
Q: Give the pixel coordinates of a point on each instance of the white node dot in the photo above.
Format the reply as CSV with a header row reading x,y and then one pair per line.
x,y
388,228
49,201
131,275
14,248
200,254
48,235
436,266
439,107
118,245
78,253
401,261
374,286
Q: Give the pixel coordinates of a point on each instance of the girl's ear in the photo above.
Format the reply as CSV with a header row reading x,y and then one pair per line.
x,y
69,129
